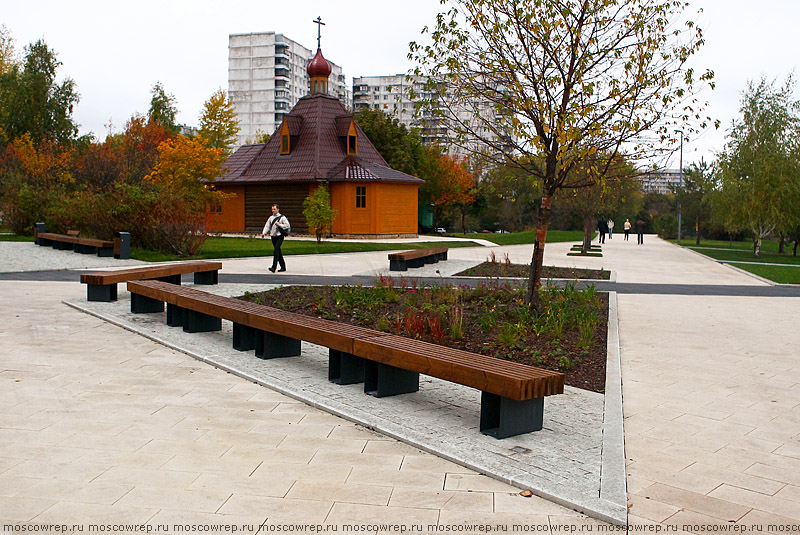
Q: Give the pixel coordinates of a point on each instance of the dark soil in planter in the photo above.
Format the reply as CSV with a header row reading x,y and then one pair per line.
x,y
502,269
569,335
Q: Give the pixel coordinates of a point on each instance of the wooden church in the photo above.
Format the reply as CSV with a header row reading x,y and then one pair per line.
x,y
317,143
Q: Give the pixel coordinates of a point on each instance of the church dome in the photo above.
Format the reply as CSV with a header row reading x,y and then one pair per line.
x,y
319,66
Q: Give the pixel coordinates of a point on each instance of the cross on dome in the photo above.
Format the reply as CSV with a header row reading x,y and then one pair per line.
x,y
320,24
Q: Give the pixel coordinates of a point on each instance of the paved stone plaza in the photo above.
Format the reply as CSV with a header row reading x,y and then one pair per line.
x,y
99,424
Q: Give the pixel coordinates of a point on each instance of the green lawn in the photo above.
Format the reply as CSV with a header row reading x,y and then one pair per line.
x,y
766,245
518,238
14,237
217,247
779,274
735,252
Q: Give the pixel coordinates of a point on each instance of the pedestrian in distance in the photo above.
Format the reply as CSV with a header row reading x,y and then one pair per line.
x,y
627,228
640,231
602,229
610,228
277,228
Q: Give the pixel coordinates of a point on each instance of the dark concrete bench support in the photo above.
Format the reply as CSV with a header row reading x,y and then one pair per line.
x,y
197,322
503,417
206,277
145,305
244,337
175,315
272,346
381,380
101,292
344,368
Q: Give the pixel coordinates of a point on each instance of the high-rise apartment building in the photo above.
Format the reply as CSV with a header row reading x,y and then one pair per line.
x,y
267,76
392,95
661,180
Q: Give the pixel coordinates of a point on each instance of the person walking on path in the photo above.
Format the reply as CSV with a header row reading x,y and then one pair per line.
x,y
276,227
610,228
602,228
627,228
640,231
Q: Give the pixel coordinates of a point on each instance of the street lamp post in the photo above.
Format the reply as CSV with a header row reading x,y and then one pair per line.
x,y
680,187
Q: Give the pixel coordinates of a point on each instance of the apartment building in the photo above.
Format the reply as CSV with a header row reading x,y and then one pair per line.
x,y
267,76
392,95
661,180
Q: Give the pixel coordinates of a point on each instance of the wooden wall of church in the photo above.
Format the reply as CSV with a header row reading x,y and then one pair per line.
x,y
390,209
260,198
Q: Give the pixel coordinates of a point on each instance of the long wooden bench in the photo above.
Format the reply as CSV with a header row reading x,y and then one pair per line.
x,y
416,258
102,286
512,394
104,248
71,241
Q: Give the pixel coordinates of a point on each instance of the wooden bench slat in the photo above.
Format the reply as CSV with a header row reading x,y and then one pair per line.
x,y
417,253
478,371
148,272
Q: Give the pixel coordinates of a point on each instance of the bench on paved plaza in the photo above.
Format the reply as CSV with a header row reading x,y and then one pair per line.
x,y
71,241
416,258
102,286
68,242
512,394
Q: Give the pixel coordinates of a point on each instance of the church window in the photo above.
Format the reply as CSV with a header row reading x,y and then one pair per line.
x,y
286,147
352,140
361,196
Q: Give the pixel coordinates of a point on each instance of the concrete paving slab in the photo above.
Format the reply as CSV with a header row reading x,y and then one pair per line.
x,y
582,438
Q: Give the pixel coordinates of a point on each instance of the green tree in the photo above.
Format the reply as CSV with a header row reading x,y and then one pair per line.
x,y
511,197
318,212
218,122
695,195
402,149
163,109
568,79
759,169
31,102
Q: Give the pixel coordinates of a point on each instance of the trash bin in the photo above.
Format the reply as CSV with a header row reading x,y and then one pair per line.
x,y
37,228
122,245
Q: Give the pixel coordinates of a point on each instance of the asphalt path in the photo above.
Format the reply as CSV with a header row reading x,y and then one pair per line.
x,y
778,290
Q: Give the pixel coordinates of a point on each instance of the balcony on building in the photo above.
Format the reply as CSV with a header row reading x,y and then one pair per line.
x,y
282,71
282,50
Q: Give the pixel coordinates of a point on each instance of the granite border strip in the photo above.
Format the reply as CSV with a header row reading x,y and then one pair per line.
x,y
613,482
606,502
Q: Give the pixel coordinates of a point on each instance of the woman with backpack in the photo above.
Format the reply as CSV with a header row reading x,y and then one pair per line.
x,y
277,228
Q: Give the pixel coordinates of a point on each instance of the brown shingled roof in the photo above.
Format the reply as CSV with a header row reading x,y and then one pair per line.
x,y
317,125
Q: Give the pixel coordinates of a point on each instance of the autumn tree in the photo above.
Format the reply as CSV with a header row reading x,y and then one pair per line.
x,y
549,83
163,109
125,157
218,122
183,179
318,212
33,103
33,179
7,54
448,184
759,170
605,195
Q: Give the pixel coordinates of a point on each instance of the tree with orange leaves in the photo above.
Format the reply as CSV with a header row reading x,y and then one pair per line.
x,y
448,184
184,177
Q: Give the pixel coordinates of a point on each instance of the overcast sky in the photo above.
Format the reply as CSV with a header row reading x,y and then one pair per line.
x,y
116,51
